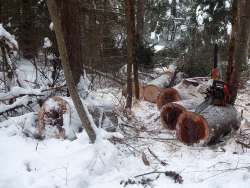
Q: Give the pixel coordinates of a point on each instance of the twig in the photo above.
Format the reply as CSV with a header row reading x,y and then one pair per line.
x,y
243,144
163,163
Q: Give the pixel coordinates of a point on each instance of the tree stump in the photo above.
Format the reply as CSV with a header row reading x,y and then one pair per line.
x,y
51,115
208,127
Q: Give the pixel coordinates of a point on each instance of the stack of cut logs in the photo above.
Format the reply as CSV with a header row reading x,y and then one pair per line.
x,y
177,106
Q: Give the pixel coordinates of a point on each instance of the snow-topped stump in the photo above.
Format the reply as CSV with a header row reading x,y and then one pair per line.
x,y
58,118
208,127
50,118
170,112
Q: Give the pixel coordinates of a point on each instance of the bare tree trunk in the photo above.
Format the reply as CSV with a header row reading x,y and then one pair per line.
x,y
62,29
230,66
140,6
130,18
241,47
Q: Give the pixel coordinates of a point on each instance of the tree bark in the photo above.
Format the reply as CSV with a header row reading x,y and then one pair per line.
x,y
130,18
241,47
140,6
62,30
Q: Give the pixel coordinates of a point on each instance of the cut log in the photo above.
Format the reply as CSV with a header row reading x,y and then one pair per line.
x,y
166,96
192,87
154,87
169,115
163,81
151,92
208,127
171,112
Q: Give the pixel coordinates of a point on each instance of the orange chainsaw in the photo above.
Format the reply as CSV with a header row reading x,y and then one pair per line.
x,y
218,93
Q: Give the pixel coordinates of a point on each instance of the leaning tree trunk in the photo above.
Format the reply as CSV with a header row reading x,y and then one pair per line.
x,y
241,47
66,52
208,127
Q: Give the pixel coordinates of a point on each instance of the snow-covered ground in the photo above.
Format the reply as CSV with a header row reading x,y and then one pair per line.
x,y
26,162
111,163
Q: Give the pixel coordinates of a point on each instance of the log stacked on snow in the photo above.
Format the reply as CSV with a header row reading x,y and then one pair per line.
x,y
154,88
170,112
169,115
166,96
208,127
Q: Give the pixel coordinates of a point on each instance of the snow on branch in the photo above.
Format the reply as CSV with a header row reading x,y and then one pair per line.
x,y
7,38
19,92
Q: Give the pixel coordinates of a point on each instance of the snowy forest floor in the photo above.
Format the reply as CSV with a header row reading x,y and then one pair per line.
x,y
145,147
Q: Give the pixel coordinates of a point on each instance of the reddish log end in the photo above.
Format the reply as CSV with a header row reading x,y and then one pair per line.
x,y
169,115
191,128
166,96
151,93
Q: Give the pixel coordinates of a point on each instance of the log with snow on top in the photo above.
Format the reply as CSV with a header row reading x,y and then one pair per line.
x,y
192,87
170,112
7,38
208,127
153,88
187,89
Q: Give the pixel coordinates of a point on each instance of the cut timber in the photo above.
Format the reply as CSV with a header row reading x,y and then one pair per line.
x,y
166,96
171,112
163,81
151,92
169,115
208,127
154,87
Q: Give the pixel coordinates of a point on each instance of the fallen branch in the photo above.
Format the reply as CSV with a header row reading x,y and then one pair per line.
x,y
163,163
